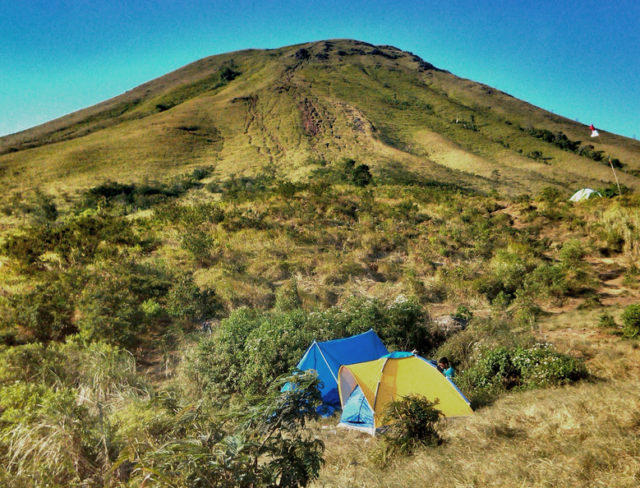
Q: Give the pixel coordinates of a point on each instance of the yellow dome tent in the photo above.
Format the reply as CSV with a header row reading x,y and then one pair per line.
x,y
366,388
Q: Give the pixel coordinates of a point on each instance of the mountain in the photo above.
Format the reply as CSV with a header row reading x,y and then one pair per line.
x,y
303,106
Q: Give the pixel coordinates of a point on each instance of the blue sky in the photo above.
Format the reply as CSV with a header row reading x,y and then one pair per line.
x,y
580,59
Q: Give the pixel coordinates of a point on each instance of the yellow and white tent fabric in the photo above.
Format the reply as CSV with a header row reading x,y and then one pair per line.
x,y
366,388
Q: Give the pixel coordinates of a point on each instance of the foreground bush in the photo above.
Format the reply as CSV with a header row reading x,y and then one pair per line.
x,y
267,444
55,411
414,424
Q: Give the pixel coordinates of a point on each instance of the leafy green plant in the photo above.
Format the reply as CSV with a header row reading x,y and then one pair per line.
x,y
606,321
185,300
413,423
413,426
551,194
199,244
572,253
522,368
463,312
254,347
267,445
77,240
45,313
46,435
631,320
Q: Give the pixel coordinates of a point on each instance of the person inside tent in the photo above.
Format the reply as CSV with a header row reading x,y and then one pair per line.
x,y
445,368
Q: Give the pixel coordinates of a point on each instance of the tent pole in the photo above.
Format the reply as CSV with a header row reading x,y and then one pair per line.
x,y
375,398
326,362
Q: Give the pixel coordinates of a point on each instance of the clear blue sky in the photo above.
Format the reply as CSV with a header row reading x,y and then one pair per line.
x,y
578,58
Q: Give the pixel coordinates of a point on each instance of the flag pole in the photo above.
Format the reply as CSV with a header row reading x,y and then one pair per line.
x,y
610,163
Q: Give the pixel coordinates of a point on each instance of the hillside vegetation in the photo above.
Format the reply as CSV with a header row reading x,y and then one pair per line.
x,y
106,378
348,199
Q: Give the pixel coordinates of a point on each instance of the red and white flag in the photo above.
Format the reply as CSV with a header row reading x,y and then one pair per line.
x,y
594,132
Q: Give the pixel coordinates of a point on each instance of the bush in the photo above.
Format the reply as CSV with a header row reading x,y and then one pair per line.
x,y
606,321
31,363
109,311
46,313
75,241
185,300
509,271
199,244
549,281
254,347
462,312
268,445
572,253
505,368
191,216
413,423
55,406
631,320
551,194
361,176
46,435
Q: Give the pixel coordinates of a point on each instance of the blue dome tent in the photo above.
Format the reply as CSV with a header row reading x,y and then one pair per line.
x,y
327,357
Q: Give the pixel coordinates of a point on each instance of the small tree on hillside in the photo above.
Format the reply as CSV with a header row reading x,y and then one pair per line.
x,y
361,176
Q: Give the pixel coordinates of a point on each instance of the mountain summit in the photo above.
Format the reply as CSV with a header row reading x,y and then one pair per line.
x,y
307,105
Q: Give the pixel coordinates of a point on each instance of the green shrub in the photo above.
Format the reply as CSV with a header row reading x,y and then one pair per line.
x,y
505,368
286,189
97,366
509,270
190,216
572,253
631,320
46,435
253,347
268,445
606,321
462,312
501,301
361,176
551,194
413,424
199,244
548,281
31,363
127,198
109,311
76,241
46,313
185,300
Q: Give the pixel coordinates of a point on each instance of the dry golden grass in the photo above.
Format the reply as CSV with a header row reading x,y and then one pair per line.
x,y
582,436
607,355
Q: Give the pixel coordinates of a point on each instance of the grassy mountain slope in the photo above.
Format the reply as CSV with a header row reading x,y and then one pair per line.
x,y
301,105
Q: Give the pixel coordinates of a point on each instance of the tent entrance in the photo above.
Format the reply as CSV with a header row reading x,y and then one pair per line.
x,y
356,413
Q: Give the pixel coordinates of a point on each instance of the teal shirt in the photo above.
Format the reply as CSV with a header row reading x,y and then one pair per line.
x,y
449,373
